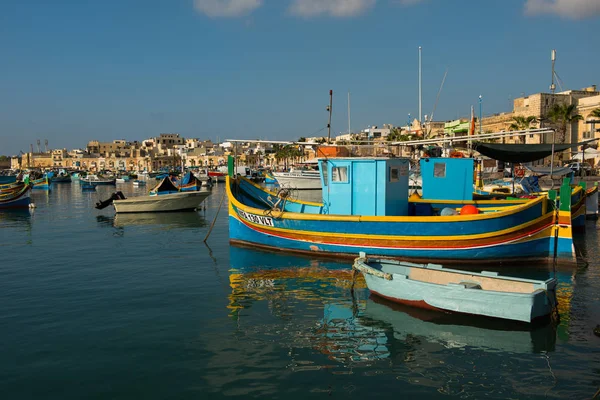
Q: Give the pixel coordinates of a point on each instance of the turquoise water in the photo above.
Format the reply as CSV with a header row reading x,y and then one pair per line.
x,y
103,307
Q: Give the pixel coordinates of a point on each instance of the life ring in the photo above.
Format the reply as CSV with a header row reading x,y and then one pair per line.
x,y
519,171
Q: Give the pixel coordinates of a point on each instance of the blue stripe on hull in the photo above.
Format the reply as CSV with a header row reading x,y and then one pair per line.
x,y
540,248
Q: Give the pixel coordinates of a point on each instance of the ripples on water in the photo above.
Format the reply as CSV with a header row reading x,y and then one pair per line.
x,y
136,306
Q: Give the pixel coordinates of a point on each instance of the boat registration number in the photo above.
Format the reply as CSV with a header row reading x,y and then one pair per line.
x,y
257,219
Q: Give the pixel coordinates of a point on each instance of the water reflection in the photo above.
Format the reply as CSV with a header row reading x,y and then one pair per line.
x,y
456,331
360,329
172,219
18,220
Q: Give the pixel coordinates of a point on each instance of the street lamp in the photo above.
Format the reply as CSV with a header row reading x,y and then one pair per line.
x,y
480,102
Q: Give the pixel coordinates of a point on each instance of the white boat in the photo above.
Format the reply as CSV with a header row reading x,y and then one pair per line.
x,y
138,182
432,286
179,201
299,179
95,179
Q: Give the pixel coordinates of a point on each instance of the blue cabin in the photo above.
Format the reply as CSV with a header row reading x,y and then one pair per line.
x,y
365,186
447,178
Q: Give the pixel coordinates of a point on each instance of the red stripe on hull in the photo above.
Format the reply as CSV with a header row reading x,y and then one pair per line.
x,y
412,303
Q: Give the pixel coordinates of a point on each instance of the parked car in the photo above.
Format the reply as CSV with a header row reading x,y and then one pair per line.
x,y
579,168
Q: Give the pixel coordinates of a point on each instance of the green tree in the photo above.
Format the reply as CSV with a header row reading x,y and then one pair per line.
x,y
596,113
4,158
302,139
522,123
562,116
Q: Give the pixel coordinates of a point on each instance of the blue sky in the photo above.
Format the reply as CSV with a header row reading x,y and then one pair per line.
x,y
77,70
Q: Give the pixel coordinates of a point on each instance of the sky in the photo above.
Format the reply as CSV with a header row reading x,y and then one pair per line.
x,y
78,70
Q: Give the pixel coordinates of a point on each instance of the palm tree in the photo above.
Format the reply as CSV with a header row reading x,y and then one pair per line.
x,y
522,123
563,115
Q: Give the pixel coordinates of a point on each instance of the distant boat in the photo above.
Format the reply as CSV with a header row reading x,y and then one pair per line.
x,y
95,179
61,178
217,176
41,183
432,286
16,197
138,182
164,197
299,179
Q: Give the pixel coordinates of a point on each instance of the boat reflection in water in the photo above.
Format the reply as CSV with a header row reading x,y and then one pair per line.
x,y
282,279
456,330
303,309
172,219
167,220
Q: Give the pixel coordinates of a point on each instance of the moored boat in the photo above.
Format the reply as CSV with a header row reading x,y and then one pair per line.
x,y
17,197
299,179
366,208
483,293
42,183
96,180
163,198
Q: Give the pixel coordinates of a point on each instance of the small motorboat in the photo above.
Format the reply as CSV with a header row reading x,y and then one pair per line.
x,y
164,197
138,182
483,293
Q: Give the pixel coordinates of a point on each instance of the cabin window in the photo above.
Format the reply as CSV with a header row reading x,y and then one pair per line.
x,y
439,170
324,170
339,174
394,175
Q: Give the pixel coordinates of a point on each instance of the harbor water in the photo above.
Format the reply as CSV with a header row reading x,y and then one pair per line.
x,y
102,306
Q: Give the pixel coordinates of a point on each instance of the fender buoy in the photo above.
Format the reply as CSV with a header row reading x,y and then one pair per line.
x,y
469,210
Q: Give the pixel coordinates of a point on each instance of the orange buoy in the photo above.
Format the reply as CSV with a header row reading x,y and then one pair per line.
x,y
469,210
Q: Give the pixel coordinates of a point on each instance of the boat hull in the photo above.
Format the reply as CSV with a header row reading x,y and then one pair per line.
x,y
463,292
161,203
16,200
527,232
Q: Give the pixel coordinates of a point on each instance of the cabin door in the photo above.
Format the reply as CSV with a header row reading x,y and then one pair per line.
x,y
364,187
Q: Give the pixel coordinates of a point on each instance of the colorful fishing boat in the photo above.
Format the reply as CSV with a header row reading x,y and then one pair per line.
x,y
366,208
269,178
42,183
434,287
17,197
190,183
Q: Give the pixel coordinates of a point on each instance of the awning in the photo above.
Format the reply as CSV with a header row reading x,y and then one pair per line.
x,y
522,153
589,154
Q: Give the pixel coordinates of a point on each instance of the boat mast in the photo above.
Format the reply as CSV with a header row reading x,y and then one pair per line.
x,y
552,89
329,123
420,95
349,131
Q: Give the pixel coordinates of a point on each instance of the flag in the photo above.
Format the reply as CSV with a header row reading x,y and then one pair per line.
x,y
472,127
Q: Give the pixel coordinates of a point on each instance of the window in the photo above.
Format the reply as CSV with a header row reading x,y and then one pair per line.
x,y
324,169
439,170
394,175
339,174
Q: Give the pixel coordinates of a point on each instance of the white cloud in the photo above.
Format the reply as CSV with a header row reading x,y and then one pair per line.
x,y
226,8
575,9
334,8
